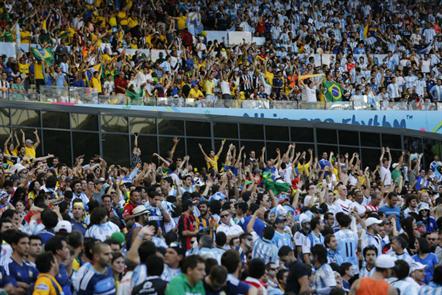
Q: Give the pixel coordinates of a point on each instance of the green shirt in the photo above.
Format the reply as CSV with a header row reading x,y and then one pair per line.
x,y
395,175
179,285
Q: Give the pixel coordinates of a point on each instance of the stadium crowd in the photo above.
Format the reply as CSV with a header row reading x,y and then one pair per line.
x,y
288,223
73,34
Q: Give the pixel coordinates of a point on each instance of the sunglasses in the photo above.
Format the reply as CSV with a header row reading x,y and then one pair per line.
x,y
224,215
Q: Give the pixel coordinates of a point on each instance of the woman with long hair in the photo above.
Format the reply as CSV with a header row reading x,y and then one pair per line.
x,y
118,267
426,257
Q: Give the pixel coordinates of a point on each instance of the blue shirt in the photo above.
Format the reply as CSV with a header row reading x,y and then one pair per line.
x,y
16,272
78,226
430,262
258,227
282,239
64,280
93,283
265,250
45,236
347,245
390,211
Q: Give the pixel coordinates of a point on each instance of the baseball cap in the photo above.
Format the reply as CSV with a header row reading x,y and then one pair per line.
x,y
416,266
371,220
177,248
385,261
63,225
118,237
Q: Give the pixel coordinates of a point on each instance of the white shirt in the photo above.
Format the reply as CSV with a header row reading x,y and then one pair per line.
x,y
230,230
309,94
385,175
102,231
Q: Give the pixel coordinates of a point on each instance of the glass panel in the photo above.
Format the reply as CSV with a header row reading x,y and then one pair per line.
x,y
83,139
143,125
193,150
166,144
4,116
413,144
148,146
4,134
112,123
57,120
370,158
84,122
170,127
277,133
370,139
225,130
249,131
116,149
59,144
300,134
348,137
392,141
198,129
431,148
28,118
326,135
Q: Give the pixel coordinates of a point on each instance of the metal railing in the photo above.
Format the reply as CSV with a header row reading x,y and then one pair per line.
x,y
84,95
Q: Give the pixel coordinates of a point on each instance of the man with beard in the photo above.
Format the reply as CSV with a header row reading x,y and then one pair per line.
x,y
372,237
205,222
301,237
134,201
245,246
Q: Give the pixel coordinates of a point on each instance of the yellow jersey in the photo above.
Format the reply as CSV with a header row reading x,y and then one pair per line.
x,y
30,152
212,163
46,284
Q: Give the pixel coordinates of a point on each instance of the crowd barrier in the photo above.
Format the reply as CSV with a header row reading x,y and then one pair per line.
x,y
80,95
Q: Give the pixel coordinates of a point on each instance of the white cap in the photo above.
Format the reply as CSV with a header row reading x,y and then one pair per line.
x,y
424,206
385,261
304,218
371,220
63,225
416,266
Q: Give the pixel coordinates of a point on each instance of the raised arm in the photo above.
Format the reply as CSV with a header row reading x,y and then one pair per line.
x,y
161,158
37,139
6,144
221,148
176,140
382,156
203,152
23,137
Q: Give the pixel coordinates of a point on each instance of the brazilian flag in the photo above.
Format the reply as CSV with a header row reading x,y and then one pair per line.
x,y
276,186
46,55
333,91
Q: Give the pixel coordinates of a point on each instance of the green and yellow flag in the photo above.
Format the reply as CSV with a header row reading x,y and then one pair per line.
x,y
46,55
333,91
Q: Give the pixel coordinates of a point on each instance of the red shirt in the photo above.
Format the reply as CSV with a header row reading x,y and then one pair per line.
x,y
186,222
120,83
128,208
